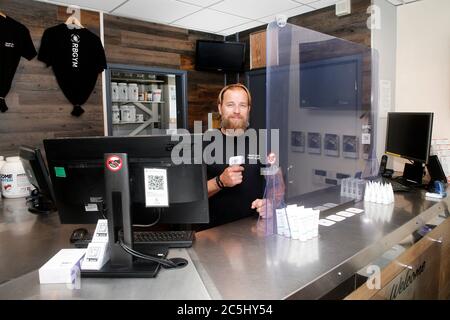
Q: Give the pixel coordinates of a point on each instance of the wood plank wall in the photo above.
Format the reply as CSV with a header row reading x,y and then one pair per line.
x,y
129,41
39,110
352,27
37,107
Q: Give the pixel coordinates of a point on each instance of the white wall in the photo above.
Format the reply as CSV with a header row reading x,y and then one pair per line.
x,y
423,61
413,47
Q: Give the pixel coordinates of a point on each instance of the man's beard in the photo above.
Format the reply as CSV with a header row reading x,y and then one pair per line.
x,y
240,124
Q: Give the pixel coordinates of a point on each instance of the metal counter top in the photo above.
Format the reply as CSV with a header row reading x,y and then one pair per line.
x,y
233,261
236,261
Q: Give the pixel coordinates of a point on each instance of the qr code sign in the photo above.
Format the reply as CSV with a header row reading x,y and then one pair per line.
x,y
156,193
155,182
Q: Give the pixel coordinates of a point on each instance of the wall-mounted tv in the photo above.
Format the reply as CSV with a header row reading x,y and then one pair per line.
x,y
332,83
222,56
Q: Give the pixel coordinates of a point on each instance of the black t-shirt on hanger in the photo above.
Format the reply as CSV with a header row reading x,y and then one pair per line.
x,y
77,57
15,42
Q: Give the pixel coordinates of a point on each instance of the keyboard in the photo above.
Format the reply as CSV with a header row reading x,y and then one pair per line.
x,y
397,186
171,239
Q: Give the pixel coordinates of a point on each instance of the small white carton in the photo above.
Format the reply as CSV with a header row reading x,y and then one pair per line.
x,y
63,267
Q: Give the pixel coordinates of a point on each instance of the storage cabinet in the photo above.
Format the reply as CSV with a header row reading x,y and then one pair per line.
x,y
143,101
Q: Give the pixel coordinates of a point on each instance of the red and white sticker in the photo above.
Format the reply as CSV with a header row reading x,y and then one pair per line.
x,y
114,163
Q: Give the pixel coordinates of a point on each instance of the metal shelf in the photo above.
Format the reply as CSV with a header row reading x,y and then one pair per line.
x,y
138,102
124,123
136,80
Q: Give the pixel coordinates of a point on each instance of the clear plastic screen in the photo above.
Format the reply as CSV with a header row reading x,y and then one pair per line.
x,y
321,112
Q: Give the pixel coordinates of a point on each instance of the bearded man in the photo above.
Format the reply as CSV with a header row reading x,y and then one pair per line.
x,y
235,189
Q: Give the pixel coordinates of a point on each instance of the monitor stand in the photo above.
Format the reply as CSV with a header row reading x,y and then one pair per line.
x,y
121,263
38,203
139,268
413,173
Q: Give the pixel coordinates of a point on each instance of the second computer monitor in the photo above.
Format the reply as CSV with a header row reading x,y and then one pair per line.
x,y
408,135
76,168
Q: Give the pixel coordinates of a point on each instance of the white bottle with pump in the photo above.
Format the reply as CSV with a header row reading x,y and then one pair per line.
x,y
14,181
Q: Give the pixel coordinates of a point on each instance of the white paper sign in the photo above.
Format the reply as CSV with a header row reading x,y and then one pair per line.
x,y
385,98
156,191
335,218
365,138
354,210
345,214
330,205
326,223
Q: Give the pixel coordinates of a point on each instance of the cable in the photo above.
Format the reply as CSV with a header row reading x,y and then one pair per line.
x,y
166,263
152,224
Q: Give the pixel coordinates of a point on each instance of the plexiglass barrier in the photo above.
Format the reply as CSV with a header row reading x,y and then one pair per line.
x,y
321,98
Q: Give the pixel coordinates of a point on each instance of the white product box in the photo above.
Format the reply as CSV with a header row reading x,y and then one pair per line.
x,y
101,232
63,267
97,255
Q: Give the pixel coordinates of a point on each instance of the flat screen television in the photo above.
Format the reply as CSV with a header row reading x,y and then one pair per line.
x,y
332,83
222,56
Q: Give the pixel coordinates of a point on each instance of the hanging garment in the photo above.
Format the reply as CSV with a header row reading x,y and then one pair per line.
x,y
15,42
77,57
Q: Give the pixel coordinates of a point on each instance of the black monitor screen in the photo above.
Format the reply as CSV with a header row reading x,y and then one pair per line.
x,y
224,56
334,83
36,170
408,135
77,171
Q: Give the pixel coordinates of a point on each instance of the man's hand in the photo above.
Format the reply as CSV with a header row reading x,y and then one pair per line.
x,y
263,207
232,176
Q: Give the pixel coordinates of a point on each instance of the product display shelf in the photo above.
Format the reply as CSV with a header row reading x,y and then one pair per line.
x,y
137,80
139,101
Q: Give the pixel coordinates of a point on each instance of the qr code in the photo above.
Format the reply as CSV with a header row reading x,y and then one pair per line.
x,y
155,182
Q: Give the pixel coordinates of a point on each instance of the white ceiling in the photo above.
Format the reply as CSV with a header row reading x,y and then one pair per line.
x,y
223,17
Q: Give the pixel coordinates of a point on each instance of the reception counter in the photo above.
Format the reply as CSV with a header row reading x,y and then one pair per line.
x,y
233,261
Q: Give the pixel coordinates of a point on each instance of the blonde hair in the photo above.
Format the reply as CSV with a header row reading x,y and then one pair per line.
x,y
231,87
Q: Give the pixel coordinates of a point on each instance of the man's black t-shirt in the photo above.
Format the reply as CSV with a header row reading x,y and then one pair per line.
x,y
15,42
77,57
230,204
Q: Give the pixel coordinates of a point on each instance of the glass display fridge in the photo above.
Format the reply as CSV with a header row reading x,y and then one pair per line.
x,y
145,100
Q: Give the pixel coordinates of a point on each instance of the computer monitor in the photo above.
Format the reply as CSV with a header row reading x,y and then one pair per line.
x,y
42,199
408,136
77,171
114,177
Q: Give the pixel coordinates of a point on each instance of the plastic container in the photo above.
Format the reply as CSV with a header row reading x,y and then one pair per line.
x,y
156,95
133,92
14,181
115,114
114,91
132,115
125,114
123,92
2,161
140,118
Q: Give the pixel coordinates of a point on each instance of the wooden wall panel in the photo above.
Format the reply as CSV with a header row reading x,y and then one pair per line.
x,y
38,109
37,106
352,27
129,41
